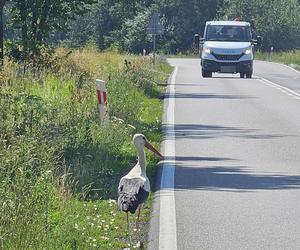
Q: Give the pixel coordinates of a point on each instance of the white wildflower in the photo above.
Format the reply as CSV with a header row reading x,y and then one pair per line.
x,y
111,201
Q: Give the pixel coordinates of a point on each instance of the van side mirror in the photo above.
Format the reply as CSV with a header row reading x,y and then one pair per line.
x,y
202,40
196,39
259,41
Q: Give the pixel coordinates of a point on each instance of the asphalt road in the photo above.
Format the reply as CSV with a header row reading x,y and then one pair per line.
x,y
237,173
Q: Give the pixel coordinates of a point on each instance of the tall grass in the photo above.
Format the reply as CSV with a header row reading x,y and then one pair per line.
x,y
290,58
54,154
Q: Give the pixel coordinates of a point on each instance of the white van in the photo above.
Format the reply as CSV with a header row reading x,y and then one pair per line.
x,y
227,47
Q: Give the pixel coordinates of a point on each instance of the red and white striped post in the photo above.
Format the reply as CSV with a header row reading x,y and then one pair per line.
x,y
102,101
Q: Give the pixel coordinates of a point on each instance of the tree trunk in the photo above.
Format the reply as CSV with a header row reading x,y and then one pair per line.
x,y
2,3
42,30
23,8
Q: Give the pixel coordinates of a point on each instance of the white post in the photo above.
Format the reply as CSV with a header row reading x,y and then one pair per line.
x,y
102,101
271,53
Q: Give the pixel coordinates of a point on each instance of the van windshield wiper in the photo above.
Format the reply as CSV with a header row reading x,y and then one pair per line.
x,y
216,40
226,40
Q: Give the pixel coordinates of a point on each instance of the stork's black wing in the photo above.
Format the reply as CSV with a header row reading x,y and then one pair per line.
x,y
131,194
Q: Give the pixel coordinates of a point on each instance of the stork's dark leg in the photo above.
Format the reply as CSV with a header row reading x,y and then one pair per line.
x,y
138,217
128,229
140,243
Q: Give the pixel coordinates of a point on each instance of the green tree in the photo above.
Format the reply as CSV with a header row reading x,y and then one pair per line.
x,y
133,33
36,19
182,19
123,20
83,29
277,21
123,23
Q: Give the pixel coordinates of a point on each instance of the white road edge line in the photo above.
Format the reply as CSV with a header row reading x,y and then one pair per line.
x,y
279,87
167,217
287,66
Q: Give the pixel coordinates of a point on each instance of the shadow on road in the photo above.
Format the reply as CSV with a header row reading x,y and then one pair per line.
x,y
198,131
198,158
234,179
234,77
204,96
189,175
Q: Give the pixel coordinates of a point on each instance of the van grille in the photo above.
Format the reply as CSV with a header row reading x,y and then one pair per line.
x,y
227,57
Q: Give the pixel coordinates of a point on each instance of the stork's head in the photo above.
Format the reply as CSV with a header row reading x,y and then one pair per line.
x,y
140,141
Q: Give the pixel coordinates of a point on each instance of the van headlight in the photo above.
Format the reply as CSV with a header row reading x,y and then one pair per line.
x,y
247,51
207,50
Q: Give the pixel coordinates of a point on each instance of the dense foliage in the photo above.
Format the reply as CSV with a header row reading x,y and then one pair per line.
x,y
123,24
277,21
35,20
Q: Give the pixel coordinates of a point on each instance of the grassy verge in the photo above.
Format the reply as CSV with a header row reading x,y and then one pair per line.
x,y
289,58
59,168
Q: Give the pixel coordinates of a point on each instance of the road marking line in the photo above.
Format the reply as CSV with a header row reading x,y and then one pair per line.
x,y
287,66
167,217
279,87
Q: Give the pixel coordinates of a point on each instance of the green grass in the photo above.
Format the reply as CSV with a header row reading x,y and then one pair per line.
x,y
289,58
58,166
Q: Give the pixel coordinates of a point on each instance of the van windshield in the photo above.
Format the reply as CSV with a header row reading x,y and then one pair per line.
x,y
228,33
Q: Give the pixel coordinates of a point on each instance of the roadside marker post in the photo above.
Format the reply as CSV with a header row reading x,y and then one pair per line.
x,y
102,101
271,53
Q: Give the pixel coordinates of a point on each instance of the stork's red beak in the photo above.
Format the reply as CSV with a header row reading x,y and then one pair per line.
x,y
154,150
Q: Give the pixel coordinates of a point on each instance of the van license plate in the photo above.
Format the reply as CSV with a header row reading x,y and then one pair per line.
x,y
228,69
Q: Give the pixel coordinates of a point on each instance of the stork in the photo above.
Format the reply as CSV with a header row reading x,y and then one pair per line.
x,y
134,187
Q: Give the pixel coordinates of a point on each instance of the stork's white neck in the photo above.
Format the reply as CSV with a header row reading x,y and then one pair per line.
x,y
142,160
140,168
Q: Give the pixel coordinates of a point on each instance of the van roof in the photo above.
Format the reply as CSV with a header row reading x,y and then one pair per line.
x,y
230,23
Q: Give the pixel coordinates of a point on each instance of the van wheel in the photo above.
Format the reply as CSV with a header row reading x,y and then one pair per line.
x,y
206,73
249,75
242,75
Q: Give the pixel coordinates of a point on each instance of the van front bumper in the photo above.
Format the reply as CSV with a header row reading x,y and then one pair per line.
x,y
227,67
